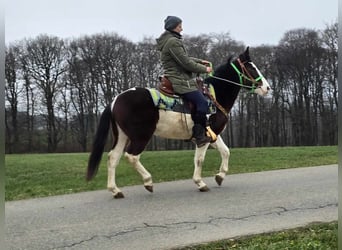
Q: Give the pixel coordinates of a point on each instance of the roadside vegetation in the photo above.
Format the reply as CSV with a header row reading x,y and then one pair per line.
x,y
315,236
39,175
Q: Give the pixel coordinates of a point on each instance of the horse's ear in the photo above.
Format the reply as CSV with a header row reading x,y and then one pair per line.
x,y
247,51
245,55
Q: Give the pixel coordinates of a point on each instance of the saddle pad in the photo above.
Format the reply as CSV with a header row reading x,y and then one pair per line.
x,y
176,103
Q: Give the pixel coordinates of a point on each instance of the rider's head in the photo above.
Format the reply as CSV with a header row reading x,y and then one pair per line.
x,y
171,22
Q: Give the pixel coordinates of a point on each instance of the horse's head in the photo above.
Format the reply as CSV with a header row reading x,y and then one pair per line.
x,y
249,75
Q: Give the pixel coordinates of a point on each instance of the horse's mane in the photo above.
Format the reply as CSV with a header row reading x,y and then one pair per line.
x,y
222,69
219,71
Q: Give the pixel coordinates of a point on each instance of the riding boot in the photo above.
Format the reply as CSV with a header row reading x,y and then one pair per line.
x,y
198,130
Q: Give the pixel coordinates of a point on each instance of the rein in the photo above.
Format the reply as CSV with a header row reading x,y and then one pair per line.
x,y
219,106
242,77
238,84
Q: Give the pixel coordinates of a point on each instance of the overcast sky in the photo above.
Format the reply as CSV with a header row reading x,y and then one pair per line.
x,y
253,22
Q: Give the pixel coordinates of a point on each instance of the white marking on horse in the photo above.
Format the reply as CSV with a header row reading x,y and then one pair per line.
x,y
174,125
135,161
262,90
113,160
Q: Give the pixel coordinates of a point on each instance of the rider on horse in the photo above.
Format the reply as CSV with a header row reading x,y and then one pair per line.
x,y
179,69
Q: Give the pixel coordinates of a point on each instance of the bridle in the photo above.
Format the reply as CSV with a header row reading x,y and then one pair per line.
x,y
244,76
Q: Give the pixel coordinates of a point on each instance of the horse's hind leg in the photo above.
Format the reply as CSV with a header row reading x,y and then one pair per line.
x,y
113,160
146,176
225,153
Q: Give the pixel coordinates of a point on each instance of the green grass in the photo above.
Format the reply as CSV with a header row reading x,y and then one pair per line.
x,y
315,236
39,175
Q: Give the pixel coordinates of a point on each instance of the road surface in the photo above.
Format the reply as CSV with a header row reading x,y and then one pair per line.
x,y
176,214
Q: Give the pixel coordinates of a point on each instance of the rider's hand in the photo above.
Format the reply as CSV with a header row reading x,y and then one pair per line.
x,y
209,69
205,62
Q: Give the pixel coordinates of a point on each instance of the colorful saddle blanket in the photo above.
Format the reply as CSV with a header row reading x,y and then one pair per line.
x,y
177,104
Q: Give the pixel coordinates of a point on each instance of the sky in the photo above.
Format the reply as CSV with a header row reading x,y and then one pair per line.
x,y
253,22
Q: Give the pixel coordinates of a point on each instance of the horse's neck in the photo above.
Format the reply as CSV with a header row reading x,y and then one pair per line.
x,y
226,93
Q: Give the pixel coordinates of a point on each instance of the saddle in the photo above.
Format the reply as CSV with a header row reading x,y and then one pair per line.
x,y
165,86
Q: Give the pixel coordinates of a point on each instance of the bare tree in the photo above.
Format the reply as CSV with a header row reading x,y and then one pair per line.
x,y
45,63
146,72
12,91
198,46
69,83
64,113
31,98
81,98
222,47
329,106
300,53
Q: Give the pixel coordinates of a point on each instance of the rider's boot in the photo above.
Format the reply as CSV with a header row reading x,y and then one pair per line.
x,y
198,131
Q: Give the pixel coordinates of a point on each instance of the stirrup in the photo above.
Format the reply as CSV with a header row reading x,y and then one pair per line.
x,y
210,133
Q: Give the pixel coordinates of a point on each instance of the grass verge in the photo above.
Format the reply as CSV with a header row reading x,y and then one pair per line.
x,y
315,236
39,175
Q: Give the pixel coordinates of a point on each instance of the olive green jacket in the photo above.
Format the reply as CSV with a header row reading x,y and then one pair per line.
x,y
178,66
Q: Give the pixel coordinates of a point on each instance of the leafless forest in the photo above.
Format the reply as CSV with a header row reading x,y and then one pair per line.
x,y
57,88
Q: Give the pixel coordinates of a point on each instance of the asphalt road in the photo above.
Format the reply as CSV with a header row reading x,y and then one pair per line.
x,y
176,214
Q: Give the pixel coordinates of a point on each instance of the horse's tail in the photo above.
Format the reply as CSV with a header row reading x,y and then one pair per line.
x,y
99,143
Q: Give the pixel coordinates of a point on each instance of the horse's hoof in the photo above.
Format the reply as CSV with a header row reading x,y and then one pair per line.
x,y
204,189
118,195
218,180
149,188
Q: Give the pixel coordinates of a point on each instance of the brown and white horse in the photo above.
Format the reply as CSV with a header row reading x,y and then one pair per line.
x,y
133,118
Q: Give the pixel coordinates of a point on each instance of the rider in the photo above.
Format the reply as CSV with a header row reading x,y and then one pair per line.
x,y
179,69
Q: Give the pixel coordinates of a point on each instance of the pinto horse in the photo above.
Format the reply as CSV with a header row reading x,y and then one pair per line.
x,y
133,119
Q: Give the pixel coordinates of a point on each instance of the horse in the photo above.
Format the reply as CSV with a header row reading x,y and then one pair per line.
x,y
133,119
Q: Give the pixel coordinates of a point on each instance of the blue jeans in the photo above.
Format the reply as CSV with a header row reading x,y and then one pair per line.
x,y
198,99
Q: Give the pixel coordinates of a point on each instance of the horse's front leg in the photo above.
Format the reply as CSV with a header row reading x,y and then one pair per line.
x,y
225,153
198,162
